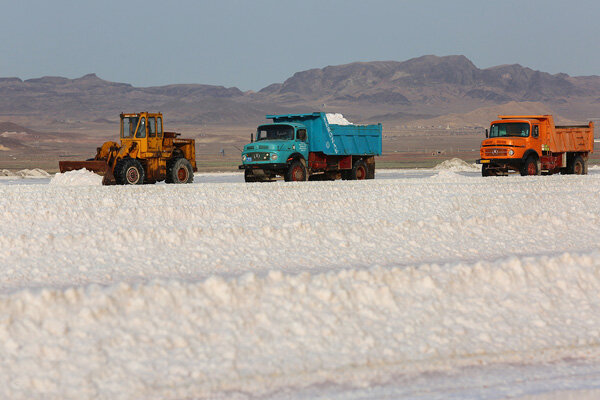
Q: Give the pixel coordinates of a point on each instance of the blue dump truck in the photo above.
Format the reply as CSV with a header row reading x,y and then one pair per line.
x,y
302,147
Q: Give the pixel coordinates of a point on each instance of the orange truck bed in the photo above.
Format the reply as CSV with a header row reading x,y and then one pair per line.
x,y
576,138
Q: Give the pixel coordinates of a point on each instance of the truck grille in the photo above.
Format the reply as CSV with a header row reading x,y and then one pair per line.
x,y
259,156
496,152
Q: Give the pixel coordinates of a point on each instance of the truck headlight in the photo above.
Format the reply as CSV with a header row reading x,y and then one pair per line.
x,y
243,157
511,152
274,156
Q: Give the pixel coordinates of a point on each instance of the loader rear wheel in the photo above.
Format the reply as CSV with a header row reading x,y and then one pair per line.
x,y
180,171
130,172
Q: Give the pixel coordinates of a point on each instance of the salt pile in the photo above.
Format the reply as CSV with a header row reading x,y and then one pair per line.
x,y
337,119
33,173
456,165
80,177
26,173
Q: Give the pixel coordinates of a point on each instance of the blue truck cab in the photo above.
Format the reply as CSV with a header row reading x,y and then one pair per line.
x,y
299,147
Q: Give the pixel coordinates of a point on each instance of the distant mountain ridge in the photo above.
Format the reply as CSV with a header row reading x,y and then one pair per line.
x,y
400,91
501,83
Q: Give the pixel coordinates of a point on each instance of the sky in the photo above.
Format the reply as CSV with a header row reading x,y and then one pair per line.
x,y
251,44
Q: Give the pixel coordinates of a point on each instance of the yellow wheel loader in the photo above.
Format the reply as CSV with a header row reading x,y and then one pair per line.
x,y
146,154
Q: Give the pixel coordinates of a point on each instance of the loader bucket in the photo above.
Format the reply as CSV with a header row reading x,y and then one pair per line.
x,y
97,166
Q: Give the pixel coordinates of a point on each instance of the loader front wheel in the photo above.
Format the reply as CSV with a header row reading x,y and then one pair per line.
x,y
130,172
180,171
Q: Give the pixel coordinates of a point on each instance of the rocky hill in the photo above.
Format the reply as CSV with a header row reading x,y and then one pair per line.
x,y
455,76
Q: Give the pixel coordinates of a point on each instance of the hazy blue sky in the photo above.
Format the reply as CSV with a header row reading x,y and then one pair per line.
x,y
250,44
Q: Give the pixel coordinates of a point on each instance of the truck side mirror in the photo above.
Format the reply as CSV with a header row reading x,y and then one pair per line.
x,y
487,133
252,138
536,131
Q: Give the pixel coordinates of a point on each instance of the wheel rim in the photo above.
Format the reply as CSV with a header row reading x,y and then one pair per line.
x,y
531,168
182,174
361,173
577,168
133,175
297,173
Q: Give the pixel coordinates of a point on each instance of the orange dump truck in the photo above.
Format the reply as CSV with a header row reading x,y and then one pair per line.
x,y
531,145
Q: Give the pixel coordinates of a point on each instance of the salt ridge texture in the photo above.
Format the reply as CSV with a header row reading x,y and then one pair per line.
x,y
260,334
213,290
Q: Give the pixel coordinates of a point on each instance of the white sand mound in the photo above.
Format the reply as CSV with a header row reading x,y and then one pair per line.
x,y
456,165
80,177
337,119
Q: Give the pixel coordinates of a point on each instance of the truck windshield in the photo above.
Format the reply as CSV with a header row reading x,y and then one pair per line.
x,y
510,129
128,127
275,132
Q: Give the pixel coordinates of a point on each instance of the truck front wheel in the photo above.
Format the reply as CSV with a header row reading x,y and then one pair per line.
x,y
249,176
530,167
296,172
486,171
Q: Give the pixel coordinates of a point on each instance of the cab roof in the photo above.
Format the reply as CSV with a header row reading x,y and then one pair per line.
x,y
293,124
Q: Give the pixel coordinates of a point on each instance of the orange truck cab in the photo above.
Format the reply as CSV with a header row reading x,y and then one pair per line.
x,y
531,145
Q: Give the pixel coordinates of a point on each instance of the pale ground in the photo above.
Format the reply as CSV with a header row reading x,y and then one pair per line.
x,y
422,284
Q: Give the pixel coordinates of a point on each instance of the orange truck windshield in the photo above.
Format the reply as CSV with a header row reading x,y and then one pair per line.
x,y
520,129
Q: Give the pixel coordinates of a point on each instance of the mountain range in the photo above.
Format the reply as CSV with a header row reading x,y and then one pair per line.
x,y
423,88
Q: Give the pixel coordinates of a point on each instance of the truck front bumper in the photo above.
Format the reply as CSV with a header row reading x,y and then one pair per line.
x,y
265,167
501,163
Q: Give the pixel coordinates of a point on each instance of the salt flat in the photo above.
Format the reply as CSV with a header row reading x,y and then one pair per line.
x,y
415,285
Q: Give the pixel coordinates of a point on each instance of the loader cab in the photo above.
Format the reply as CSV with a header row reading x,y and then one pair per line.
x,y
146,129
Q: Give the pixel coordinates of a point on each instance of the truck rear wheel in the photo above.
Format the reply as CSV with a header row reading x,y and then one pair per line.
x,y
359,170
296,172
180,171
578,166
530,167
129,171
